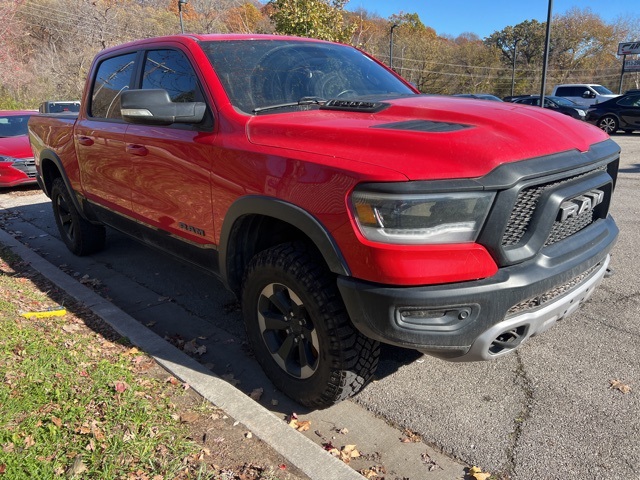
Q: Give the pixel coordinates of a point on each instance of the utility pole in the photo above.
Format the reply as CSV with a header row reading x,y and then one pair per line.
x,y
546,54
391,46
513,69
180,4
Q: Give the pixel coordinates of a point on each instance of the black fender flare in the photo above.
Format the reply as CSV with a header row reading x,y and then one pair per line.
x,y
285,212
48,155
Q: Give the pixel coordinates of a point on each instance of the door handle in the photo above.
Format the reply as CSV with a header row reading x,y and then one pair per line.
x,y
139,150
86,141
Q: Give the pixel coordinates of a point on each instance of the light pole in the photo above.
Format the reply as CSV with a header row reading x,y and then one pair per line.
x,y
513,68
391,46
546,54
180,4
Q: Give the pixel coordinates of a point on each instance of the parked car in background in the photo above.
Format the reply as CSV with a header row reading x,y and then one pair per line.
x,y
584,93
559,104
60,107
620,113
16,157
513,98
481,96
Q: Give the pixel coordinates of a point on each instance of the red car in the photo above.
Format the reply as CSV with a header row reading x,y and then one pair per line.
x,y
16,157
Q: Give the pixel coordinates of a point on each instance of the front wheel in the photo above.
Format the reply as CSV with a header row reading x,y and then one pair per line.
x,y
299,329
79,235
609,124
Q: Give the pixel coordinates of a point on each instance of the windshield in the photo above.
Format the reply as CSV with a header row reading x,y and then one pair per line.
x,y
602,90
263,73
13,125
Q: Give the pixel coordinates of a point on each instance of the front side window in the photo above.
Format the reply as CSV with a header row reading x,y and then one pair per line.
x,y
113,76
170,70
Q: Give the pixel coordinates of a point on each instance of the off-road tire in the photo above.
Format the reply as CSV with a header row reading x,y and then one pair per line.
x,y
79,235
288,294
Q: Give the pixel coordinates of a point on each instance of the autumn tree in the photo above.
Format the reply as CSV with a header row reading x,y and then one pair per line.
x,y
322,19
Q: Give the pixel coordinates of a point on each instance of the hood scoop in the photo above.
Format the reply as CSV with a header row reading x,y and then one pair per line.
x,y
354,106
424,126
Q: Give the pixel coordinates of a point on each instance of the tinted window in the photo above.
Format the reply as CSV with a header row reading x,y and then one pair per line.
x,y
630,101
114,76
170,70
571,91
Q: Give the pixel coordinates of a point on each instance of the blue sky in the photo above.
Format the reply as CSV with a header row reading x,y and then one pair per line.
x,y
483,17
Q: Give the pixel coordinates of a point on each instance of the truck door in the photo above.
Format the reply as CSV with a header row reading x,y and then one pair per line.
x,y
99,137
171,188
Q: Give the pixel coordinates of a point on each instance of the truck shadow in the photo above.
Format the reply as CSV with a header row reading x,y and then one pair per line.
x,y
631,169
179,303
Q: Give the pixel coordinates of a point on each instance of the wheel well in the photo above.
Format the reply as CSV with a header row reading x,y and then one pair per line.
x,y
50,172
252,234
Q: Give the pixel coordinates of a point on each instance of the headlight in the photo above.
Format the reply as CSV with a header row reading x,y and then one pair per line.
x,y
582,113
4,158
421,218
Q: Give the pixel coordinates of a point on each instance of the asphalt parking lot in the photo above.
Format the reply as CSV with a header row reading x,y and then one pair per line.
x,y
546,412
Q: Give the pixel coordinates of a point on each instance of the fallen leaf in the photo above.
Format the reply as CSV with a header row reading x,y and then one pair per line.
x,y
300,425
120,386
431,464
77,468
56,421
478,474
618,385
257,394
172,381
411,437
348,452
29,442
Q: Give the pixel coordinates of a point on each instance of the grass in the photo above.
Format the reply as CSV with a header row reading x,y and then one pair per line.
x,y
79,402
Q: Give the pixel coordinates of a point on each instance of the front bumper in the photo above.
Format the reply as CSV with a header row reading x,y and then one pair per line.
x,y
484,319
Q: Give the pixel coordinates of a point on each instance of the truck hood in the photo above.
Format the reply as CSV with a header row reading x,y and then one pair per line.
x,y
16,147
427,137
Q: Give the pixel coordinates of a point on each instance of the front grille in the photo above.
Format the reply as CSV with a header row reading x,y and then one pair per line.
x,y
26,165
526,205
562,230
540,300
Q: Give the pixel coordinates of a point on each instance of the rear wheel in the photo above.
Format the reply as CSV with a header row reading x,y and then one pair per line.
x,y
609,124
79,235
299,328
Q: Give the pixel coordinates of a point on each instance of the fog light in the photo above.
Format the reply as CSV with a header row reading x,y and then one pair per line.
x,y
421,318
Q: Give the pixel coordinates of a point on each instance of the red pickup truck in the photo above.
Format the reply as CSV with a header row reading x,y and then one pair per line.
x,y
341,206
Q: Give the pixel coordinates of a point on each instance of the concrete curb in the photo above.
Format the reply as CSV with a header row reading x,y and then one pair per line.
x,y
301,452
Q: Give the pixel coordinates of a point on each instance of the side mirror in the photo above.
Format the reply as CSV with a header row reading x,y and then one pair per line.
x,y
154,107
588,94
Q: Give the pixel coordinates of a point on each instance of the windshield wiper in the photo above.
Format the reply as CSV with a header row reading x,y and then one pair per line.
x,y
302,101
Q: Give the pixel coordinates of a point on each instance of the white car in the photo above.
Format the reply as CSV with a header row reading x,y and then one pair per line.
x,y
584,93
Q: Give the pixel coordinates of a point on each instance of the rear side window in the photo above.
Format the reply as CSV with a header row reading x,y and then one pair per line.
x,y
170,70
113,76
630,101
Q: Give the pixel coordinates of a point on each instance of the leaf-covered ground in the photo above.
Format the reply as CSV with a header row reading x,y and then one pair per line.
x,y
80,402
